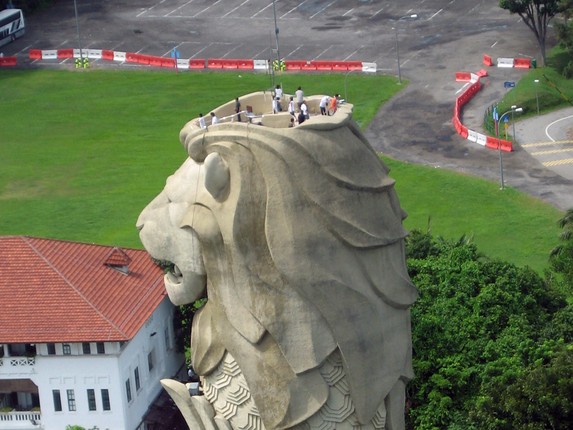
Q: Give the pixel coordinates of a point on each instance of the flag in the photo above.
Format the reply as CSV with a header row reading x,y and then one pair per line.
x,y
495,114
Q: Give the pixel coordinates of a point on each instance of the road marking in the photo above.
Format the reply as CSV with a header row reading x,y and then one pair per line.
x,y
352,53
232,49
263,9
232,10
293,51
200,50
324,8
346,13
551,151
494,43
293,9
177,8
318,56
435,14
148,9
376,13
558,162
553,123
552,143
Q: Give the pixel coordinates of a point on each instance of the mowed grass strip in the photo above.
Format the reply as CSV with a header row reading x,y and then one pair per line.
x,y
82,152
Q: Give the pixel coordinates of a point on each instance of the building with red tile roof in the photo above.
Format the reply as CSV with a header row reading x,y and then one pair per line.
x,y
86,332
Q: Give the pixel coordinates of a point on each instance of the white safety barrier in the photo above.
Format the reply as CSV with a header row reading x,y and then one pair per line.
x,y
94,53
84,53
369,67
481,139
182,64
118,56
260,65
472,135
51,54
505,62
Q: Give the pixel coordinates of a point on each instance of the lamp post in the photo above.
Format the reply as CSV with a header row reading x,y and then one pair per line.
x,y
403,18
78,29
276,33
512,111
537,94
398,56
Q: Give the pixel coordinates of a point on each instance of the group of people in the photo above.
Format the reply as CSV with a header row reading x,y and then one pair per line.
x,y
214,120
328,105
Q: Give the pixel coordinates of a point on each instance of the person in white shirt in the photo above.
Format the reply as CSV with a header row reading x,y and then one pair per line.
x,y
323,104
202,121
291,106
299,96
304,109
279,92
214,119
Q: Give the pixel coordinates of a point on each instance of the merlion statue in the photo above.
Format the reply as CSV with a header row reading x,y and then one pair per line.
x,y
294,235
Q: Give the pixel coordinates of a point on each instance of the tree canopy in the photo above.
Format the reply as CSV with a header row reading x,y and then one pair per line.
x,y
536,14
480,329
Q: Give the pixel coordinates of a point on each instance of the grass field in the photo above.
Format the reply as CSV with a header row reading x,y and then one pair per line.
x,y
81,153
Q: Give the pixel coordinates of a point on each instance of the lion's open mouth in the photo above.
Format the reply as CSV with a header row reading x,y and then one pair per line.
x,y
173,274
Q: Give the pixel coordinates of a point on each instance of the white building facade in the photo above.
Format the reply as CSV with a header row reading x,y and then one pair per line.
x,y
92,384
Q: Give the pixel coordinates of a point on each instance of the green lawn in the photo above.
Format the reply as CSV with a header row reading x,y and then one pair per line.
x,y
82,152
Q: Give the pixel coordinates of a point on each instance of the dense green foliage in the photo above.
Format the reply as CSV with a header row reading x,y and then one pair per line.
x,y
481,329
564,31
562,256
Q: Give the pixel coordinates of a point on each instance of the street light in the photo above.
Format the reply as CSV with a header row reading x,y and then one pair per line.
x,y
276,34
78,29
537,94
512,111
398,56
403,18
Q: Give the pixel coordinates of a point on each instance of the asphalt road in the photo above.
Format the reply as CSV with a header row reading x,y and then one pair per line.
x,y
432,38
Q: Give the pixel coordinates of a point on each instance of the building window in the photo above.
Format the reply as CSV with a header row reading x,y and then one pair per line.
x,y
66,349
51,349
57,400
86,348
71,400
128,390
100,347
150,361
137,381
105,404
91,399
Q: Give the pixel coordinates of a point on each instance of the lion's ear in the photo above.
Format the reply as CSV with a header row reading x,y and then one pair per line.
x,y
217,176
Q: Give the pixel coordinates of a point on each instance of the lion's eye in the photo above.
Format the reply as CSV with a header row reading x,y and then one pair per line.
x,y
217,176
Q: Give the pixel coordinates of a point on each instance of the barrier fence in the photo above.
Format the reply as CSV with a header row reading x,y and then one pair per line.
x,y
518,63
466,95
195,63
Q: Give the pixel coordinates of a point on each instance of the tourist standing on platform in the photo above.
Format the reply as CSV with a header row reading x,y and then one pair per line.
x,y
299,96
238,109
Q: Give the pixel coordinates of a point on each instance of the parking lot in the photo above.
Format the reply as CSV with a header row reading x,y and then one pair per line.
x,y
359,30
429,39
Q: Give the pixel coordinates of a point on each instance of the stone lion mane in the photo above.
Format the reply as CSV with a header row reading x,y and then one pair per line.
x,y
303,250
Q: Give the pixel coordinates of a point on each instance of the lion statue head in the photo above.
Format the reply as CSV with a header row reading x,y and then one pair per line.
x,y
295,237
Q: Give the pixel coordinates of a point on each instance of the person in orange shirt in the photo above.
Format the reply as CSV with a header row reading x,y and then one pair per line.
x,y
333,104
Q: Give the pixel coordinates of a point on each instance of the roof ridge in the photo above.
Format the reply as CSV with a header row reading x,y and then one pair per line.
x,y
70,284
